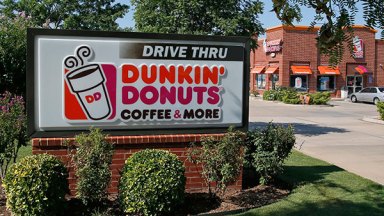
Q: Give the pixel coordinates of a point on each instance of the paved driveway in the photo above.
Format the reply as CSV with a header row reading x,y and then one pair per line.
x,y
336,134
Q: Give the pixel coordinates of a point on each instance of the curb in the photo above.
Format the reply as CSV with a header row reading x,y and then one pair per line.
x,y
373,119
224,213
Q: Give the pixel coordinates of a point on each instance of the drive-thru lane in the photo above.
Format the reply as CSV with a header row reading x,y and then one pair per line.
x,y
336,134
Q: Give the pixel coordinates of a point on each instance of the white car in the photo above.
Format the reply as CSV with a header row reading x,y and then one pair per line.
x,y
370,94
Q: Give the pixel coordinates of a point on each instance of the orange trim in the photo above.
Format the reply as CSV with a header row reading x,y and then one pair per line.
x,y
302,69
364,27
257,69
326,70
272,69
297,28
315,28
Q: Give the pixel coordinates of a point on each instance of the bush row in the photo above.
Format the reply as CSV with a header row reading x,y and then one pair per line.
x,y
152,181
291,96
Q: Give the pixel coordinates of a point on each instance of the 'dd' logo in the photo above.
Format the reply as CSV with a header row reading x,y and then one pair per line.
x,y
89,88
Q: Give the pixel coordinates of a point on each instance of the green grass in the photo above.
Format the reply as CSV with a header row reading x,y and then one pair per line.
x,y
24,151
323,189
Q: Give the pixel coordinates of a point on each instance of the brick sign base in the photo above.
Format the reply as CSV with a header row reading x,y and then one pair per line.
x,y
125,146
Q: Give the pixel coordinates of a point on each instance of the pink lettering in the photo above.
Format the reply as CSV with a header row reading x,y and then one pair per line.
x,y
149,100
213,93
168,95
184,99
200,93
126,91
97,96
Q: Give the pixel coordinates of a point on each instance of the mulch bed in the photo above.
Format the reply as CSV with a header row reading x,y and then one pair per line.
x,y
196,203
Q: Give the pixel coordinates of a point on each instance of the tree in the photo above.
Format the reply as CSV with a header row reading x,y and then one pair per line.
x,y
336,18
215,17
68,14
17,15
240,17
13,43
12,129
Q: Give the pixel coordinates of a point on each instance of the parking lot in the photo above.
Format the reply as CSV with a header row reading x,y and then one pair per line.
x,y
337,133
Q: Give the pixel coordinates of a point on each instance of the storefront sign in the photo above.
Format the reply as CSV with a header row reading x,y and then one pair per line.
x,y
358,48
135,83
272,46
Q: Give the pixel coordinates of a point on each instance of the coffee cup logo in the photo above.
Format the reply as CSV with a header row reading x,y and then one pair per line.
x,y
88,83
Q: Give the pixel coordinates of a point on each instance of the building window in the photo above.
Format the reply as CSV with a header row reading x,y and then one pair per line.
x,y
260,80
299,82
326,83
274,80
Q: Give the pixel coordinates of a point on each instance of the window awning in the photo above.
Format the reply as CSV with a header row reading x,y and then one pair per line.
x,y
302,69
326,70
361,69
257,69
272,69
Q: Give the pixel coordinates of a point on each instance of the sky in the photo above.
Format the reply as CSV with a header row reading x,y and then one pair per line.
x,y
268,18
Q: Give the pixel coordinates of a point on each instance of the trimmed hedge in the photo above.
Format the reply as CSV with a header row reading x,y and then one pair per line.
x,y
152,182
36,186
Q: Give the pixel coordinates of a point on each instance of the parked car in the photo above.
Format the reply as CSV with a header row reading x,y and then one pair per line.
x,y
370,94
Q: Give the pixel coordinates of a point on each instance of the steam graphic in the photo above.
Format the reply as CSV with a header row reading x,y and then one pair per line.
x,y
87,82
81,53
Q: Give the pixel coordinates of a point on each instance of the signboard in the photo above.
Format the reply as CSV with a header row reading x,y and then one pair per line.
x,y
358,48
135,83
272,46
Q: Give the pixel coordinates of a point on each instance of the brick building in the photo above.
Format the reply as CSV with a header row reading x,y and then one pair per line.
x,y
289,57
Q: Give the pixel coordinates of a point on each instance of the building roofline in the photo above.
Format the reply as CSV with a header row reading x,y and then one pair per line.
x,y
364,27
297,28
315,28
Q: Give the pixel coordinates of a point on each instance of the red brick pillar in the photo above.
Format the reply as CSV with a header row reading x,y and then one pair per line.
x,y
125,146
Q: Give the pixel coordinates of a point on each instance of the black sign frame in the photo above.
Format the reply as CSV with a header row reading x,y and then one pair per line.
x,y
33,131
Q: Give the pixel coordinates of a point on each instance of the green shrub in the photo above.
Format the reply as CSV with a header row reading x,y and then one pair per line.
x,y
320,98
266,95
380,109
36,185
266,149
92,160
152,182
290,96
269,95
281,92
221,159
12,129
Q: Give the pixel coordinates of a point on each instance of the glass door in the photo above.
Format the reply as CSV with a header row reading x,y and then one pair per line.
x,y
358,83
354,84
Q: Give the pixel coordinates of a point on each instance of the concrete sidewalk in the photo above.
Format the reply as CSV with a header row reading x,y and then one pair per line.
x,y
337,134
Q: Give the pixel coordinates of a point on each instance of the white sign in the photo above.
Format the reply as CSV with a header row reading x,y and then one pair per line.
x,y
136,83
298,82
272,46
358,48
